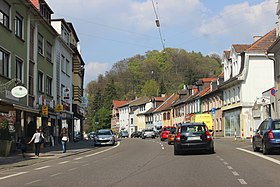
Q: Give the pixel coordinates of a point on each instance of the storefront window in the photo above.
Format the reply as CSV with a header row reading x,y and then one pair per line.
x,y
232,123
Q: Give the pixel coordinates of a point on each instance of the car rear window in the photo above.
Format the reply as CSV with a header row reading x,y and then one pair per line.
x,y
193,129
168,128
104,132
276,125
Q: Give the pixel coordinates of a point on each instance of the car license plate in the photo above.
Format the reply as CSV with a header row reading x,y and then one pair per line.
x,y
194,138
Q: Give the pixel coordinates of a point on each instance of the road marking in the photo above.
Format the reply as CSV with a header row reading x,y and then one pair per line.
x,y
44,167
63,162
78,158
235,173
225,163
229,167
97,153
72,169
162,147
32,182
242,181
260,155
53,175
13,175
221,159
85,164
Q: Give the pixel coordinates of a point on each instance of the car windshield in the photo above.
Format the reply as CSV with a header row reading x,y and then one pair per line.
x,y
276,125
104,132
193,129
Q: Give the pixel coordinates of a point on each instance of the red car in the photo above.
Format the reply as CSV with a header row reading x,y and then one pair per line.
x,y
165,131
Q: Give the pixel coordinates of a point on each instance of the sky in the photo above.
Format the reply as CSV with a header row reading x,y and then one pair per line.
x,y
112,30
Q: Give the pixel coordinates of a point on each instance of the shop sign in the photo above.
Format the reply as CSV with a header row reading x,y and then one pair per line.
x,y
66,107
19,91
52,103
41,100
66,94
58,108
45,110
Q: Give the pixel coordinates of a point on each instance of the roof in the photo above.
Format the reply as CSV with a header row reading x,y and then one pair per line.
x,y
116,103
208,80
204,91
168,102
240,47
139,101
262,44
227,54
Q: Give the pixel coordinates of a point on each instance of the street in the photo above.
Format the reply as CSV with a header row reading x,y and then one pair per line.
x,y
150,162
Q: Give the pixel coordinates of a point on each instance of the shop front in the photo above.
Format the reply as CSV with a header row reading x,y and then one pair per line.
x,y
232,122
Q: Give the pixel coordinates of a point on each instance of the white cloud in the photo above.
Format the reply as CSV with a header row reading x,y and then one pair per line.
x,y
93,69
241,20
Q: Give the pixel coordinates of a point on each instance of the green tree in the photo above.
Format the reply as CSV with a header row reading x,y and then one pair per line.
x,y
151,88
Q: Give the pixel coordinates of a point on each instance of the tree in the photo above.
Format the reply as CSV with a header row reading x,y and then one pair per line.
x,y
151,88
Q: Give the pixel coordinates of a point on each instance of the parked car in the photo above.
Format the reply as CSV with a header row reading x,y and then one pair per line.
x,y
123,134
267,136
91,135
136,134
193,136
104,137
148,133
165,131
170,139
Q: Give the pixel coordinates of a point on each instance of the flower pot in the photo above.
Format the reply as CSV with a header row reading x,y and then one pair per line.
x,y
5,147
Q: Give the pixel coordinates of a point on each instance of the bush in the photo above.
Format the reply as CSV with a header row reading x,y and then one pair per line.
x,y
4,131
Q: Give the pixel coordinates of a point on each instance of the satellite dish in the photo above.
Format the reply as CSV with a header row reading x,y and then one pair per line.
x,y
19,91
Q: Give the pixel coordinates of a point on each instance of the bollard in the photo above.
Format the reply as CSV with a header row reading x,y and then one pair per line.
x,y
251,134
235,134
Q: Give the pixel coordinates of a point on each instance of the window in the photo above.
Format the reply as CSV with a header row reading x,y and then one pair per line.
x,y
49,86
62,89
40,82
31,41
67,67
4,13
4,63
40,44
49,52
19,69
62,63
19,26
31,79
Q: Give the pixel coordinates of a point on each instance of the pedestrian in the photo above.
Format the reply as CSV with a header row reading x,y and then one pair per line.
x,y
64,139
37,138
23,146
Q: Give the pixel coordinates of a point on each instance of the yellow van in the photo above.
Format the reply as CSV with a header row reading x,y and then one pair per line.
x,y
206,118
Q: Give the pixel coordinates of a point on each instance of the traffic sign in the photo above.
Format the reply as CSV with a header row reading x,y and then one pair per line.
x,y
272,91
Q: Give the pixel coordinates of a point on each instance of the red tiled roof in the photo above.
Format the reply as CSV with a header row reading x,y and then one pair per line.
x,y
240,47
262,44
208,80
116,103
168,102
204,91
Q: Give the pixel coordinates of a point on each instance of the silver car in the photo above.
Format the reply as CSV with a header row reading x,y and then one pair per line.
x,y
104,137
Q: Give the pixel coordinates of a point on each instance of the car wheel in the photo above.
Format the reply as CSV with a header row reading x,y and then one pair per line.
x,y
264,148
255,148
212,150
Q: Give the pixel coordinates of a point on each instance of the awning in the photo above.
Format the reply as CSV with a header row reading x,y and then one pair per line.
x,y
6,106
26,108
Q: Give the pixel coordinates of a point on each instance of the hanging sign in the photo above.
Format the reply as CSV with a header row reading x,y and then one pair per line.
x,y
45,110
19,91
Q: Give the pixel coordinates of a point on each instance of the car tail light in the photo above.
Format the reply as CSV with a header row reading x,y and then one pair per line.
x,y
208,135
270,135
178,137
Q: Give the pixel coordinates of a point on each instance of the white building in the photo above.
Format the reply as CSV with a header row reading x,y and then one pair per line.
x,y
247,73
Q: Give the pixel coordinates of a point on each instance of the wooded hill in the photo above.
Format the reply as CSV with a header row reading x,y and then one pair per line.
x,y
152,74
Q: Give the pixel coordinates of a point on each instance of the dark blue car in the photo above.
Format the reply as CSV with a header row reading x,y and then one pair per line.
x,y
267,137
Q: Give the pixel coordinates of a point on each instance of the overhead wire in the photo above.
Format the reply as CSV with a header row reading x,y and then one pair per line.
x,y
158,24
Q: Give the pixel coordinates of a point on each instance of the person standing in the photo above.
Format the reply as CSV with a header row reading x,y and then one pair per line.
x,y
64,139
37,138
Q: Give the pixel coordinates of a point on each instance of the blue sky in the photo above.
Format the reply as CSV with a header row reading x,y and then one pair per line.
x,y
111,30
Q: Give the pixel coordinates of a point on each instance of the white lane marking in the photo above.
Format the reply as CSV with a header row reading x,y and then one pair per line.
x,y
63,162
162,147
221,159
229,167
32,182
235,173
260,155
79,158
13,175
44,167
242,181
97,153
53,175
85,164
72,169
225,163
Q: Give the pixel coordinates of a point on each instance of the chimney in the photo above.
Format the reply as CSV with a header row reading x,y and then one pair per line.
x,y
35,3
195,90
256,38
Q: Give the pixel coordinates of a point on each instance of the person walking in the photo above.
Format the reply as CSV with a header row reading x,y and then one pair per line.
x,y
37,138
64,139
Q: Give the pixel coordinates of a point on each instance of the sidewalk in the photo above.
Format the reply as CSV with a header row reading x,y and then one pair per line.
x,y
16,159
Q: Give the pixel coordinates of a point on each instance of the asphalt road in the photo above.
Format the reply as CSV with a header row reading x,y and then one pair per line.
x,y
150,162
